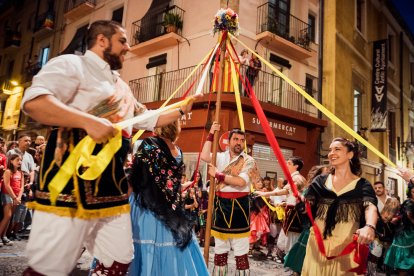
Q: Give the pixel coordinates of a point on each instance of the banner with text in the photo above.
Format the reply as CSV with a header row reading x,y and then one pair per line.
x,y
379,86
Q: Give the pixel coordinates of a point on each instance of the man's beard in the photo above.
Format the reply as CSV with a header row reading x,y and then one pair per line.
x,y
113,60
237,149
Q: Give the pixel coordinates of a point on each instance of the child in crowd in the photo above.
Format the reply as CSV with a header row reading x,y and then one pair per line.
x,y
12,192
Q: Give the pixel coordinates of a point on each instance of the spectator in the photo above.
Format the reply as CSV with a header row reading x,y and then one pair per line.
x,y
28,168
40,140
254,66
202,214
11,145
12,192
198,179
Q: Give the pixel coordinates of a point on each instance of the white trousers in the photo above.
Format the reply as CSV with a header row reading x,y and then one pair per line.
x,y
56,242
240,246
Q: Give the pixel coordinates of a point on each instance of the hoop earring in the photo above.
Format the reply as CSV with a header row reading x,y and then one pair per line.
x,y
350,162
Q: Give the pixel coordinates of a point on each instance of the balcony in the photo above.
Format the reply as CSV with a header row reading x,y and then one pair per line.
x,y
44,23
153,32
268,88
76,9
12,41
283,32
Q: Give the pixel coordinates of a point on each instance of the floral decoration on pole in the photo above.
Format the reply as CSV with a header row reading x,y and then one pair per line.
x,y
226,20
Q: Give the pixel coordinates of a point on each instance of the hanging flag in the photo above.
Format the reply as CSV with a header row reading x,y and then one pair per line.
x,y
227,83
379,86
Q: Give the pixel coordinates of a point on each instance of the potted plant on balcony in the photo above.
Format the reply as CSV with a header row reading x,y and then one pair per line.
x,y
172,22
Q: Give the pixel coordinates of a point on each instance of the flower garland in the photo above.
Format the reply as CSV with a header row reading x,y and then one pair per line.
x,y
226,20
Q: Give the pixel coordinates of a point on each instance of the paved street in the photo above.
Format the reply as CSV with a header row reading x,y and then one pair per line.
x,y
13,262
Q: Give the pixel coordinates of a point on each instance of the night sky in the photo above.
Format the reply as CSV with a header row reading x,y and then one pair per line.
x,y
406,9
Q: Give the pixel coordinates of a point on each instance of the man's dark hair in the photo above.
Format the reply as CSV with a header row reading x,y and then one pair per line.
x,y
23,135
297,161
106,27
379,183
236,131
266,178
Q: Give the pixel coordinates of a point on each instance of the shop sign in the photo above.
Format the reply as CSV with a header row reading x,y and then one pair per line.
x,y
280,128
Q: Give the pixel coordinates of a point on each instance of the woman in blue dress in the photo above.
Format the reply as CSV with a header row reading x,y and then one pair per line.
x,y
164,240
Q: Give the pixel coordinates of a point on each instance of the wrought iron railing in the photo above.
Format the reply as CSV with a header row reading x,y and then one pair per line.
x,y
154,25
271,18
71,4
268,88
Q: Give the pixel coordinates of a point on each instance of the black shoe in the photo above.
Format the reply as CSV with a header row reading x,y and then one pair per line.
x,y
14,237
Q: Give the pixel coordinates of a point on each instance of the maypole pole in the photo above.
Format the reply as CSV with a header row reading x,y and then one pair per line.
x,y
214,150
226,20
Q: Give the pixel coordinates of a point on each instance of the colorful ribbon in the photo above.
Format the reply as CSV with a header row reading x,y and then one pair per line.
x,y
208,56
320,107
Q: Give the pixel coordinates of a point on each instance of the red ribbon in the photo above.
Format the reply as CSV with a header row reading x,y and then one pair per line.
x,y
361,251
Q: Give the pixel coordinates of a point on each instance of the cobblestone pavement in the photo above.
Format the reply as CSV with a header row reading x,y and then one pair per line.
x,y
13,262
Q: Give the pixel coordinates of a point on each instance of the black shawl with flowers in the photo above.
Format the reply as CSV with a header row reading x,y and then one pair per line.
x,y
156,180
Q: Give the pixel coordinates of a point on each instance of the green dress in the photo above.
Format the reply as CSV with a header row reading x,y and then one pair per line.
x,y
400,255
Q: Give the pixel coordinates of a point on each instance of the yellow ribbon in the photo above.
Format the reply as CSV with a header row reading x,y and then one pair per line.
x,y
320,107
235,81
81,155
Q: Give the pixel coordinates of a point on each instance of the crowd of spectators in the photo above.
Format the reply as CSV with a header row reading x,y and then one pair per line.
x,y
19,167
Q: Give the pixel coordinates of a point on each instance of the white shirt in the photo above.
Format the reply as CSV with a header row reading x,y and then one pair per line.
x,y
223,160
87,83
296,177
278,199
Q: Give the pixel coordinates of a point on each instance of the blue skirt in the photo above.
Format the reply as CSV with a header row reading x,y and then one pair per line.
x,y
155,249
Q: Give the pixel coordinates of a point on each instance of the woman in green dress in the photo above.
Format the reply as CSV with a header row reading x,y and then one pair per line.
x,y
400,255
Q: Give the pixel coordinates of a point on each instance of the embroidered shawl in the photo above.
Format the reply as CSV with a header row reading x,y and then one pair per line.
x,y
156,180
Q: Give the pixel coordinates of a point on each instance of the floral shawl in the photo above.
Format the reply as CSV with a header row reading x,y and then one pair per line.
x,y
156,181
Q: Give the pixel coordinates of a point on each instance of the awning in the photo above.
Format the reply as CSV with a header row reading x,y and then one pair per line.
x,y
78,43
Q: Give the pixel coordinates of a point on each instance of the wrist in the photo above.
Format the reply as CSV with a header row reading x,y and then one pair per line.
x,y
181,111
210,137
371,226
220,176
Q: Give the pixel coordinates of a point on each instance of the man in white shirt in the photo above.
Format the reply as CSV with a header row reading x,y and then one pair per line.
x,y
84,95
235,172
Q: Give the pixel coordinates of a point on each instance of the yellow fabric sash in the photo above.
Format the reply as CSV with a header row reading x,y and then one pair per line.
x,y
81,155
